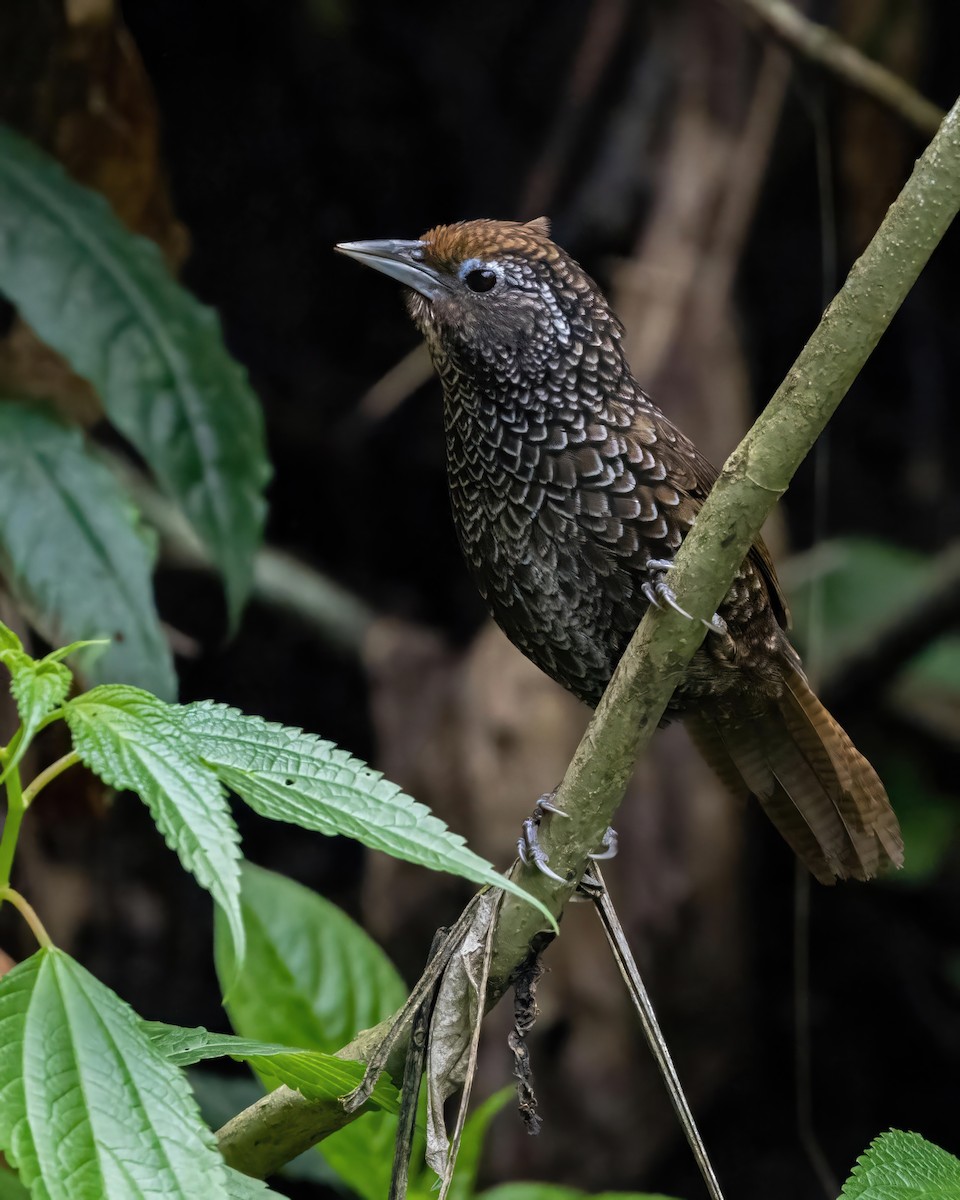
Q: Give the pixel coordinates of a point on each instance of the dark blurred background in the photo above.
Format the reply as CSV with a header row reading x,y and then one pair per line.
x,y
719,189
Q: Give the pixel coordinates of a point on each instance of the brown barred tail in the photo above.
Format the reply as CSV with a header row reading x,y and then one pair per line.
x,y
816,787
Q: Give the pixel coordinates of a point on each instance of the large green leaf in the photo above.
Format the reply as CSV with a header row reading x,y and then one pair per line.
x,y
903,1166
314,978
11,1188
89,1110
105,299
126,737
70,549
288,775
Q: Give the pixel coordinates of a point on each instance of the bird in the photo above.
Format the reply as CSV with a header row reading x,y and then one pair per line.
x,y
571,493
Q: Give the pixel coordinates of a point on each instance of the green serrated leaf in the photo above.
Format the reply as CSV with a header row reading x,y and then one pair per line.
x,y
69,550
105,299
903,1166
314,978
8,639
183,1045
242,1187
63,652
288,775
132,741
38,688
88,1109
315,1074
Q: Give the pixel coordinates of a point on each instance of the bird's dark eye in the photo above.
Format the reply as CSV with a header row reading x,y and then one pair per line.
x,y
480,279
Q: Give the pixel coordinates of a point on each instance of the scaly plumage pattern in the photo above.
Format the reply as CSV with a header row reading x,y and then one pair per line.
x,y
567,482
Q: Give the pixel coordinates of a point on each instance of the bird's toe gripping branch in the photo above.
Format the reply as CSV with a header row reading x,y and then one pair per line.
x,y
660,593
532,853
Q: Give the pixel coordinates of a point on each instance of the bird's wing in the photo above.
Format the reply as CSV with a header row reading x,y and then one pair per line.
x,y
693,475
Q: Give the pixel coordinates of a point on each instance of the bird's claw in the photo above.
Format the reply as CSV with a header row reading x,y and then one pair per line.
x,y
659,592
531,852
608,846
546,804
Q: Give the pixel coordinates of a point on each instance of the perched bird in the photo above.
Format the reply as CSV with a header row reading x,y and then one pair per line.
x,y
571,494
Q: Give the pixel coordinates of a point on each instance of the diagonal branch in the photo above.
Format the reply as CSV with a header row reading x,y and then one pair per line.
x,y
262,1138
821,45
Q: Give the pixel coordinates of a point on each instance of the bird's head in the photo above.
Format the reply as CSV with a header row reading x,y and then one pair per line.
x,y
489,292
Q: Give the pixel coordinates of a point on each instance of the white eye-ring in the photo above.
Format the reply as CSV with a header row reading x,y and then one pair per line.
x,y
479,276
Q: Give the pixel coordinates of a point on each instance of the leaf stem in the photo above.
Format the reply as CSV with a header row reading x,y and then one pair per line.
x,y
29,914
47,775
11,827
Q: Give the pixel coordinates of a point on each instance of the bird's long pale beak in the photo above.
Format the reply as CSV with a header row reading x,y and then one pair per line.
x,y
400,260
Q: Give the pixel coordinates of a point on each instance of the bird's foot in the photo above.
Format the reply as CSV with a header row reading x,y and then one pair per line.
x,y
660,593
532,853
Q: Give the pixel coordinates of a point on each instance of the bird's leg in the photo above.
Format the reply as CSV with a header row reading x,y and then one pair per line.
x,y
532,853
659,592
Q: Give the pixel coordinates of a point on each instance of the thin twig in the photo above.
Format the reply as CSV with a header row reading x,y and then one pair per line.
x,y
652,1031
48,775
412,1075
803,1041
29,914
846,62
470,1071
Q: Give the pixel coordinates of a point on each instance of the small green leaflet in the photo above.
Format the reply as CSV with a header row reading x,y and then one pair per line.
x,y
288,775
317,1075
133,741
89,1110
107,302
38,688
322,1077
903,1166
185,1045
8,639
